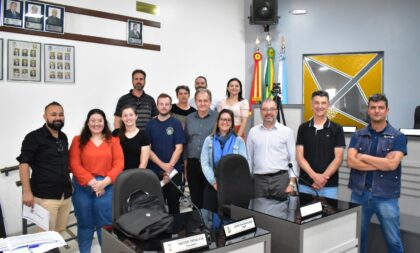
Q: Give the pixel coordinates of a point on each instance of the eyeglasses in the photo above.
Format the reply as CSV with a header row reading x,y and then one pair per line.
x,y
269,109
59,144
225,120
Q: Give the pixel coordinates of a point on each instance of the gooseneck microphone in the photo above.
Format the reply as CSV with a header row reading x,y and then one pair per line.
x,y
303,180
202,226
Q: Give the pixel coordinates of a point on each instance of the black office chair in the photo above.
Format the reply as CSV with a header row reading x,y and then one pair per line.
x,y
417,118
129,181
234,183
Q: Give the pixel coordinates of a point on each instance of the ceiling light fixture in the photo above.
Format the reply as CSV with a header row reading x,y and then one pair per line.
x,y
298,12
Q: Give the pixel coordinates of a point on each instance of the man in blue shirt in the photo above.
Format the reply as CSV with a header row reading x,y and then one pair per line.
x,y
166,138
374,156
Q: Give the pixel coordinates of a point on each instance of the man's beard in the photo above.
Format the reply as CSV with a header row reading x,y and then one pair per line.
x,y
56,124
138,87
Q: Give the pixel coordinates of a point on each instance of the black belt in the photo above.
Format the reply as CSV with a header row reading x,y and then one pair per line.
x,y
280,172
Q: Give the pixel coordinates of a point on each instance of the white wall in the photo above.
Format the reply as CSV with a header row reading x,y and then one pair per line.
x,y
197,37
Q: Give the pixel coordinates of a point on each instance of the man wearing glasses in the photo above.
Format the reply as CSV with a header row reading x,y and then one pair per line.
x,y
271,152
45,151
374,157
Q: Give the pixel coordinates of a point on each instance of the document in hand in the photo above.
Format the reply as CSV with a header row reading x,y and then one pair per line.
x,y
171,175
38,215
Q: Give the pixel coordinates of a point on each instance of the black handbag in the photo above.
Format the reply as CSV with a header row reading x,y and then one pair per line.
x,y
144,217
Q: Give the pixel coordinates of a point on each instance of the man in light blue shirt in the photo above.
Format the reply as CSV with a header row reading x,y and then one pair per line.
x,y
271,148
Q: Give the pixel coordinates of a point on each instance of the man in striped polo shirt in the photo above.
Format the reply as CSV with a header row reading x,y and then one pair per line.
x,y
145,105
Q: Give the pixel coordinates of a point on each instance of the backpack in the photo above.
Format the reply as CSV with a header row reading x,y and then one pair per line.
x,y
144,217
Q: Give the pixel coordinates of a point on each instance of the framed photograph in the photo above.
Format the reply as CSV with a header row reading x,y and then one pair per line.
x,y
12,13
54,19
349,78
135,32
34,16
23,61
1,59
59,63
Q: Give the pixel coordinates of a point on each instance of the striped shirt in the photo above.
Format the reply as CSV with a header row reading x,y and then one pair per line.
x,y
145,107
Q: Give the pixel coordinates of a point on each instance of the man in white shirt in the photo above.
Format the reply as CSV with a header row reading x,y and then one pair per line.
x,y
201,83
271,148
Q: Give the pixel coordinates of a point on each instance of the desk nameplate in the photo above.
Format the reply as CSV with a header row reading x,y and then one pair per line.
x,y
185,244
311,209
239,227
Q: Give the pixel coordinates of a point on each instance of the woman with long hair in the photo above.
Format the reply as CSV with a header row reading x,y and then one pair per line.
x,y
236,103
223,141
134,142
95,159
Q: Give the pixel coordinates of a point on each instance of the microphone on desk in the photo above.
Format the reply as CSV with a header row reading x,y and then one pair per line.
x,y
202,226
303,180
311,208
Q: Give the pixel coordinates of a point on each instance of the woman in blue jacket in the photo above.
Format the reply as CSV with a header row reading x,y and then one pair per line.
x,y
223,141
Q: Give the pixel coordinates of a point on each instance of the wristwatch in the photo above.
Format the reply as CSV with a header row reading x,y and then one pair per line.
x,y
293,185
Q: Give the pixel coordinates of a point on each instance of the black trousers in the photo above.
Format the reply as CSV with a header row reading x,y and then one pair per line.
x,y
172,195
196,181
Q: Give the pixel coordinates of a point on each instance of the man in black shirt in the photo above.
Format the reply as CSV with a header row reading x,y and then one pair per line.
x,y
145,105
45,151
319,152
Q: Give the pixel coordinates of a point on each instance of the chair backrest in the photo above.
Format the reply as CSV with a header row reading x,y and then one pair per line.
x,y
234,183
128,182
417,118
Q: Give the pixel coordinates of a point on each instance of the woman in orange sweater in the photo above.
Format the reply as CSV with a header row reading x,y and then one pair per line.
x,y
95,158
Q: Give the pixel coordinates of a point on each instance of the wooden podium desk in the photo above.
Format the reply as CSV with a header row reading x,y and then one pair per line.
x,y
336,229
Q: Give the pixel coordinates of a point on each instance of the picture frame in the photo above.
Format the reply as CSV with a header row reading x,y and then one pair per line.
x,y
54,19
1,59
134,32
13,13
34,16
349,78
59,63
23,61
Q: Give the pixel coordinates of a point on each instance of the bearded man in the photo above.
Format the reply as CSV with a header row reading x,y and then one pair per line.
x,y
45,151
145,104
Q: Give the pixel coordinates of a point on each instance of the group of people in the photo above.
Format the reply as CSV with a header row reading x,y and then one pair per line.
x,y
190,137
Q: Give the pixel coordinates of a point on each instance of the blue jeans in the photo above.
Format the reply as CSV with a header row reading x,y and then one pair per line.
x,y
388,213
92,213
328,192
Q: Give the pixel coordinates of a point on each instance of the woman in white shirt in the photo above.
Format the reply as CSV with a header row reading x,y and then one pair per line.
x,y
236,103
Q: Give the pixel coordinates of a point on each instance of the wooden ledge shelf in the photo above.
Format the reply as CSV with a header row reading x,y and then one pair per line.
x,y
88,38
80,37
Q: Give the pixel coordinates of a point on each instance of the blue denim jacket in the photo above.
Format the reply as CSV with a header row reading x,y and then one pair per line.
x,y
207,156
385,184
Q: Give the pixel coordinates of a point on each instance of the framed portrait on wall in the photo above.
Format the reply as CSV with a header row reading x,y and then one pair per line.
x,y
59,63
23,61
13,13
1,59
54,19
34,16
349,78
134,32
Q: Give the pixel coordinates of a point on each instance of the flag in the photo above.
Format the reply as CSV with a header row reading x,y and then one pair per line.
x,y
269,73
256,89
282,77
